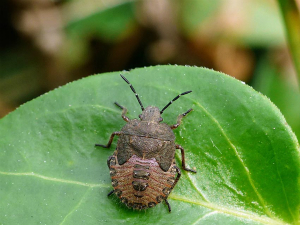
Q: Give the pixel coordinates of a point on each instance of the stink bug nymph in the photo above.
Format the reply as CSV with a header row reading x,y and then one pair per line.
x,y
142,168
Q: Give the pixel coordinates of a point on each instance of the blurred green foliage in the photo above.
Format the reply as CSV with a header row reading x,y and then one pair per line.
x,y
111,24
291,18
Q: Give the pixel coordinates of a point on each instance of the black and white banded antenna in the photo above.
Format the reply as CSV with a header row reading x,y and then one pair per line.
x,y
174,99
133,90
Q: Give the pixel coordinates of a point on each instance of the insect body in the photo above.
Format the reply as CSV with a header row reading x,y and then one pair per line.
x,y
142,168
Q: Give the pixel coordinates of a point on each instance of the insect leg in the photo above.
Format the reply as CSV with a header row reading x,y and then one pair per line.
x,y
110,139
168,204
179,119
175,182
178,176
183,159
124,111
110,193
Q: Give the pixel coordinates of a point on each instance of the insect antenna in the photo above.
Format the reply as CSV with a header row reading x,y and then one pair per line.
x,y
133,90
174,99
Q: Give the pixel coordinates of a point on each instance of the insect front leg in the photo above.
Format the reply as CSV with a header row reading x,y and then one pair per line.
x,y
124,111
183,159
179,118
110,139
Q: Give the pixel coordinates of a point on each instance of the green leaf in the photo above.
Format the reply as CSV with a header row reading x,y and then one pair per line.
x,y
246,156
110,24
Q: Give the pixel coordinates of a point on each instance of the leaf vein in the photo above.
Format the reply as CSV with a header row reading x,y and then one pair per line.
x,y
76,207
204,216
267,211
192,183
54,179
221,209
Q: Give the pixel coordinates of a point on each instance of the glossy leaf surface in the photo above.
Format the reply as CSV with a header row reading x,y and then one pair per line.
x,y
246,156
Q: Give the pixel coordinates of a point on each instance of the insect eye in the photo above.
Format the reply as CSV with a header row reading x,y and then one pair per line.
x,y
160,119
140,116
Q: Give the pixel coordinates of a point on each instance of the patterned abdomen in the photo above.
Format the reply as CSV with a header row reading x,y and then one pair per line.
x,y
141,183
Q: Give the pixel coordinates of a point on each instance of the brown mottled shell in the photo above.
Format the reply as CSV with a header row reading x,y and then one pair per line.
x,y
146,140
142,168
141,183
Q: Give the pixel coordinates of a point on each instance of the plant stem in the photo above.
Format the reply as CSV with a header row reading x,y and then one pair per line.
x,y
291,19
